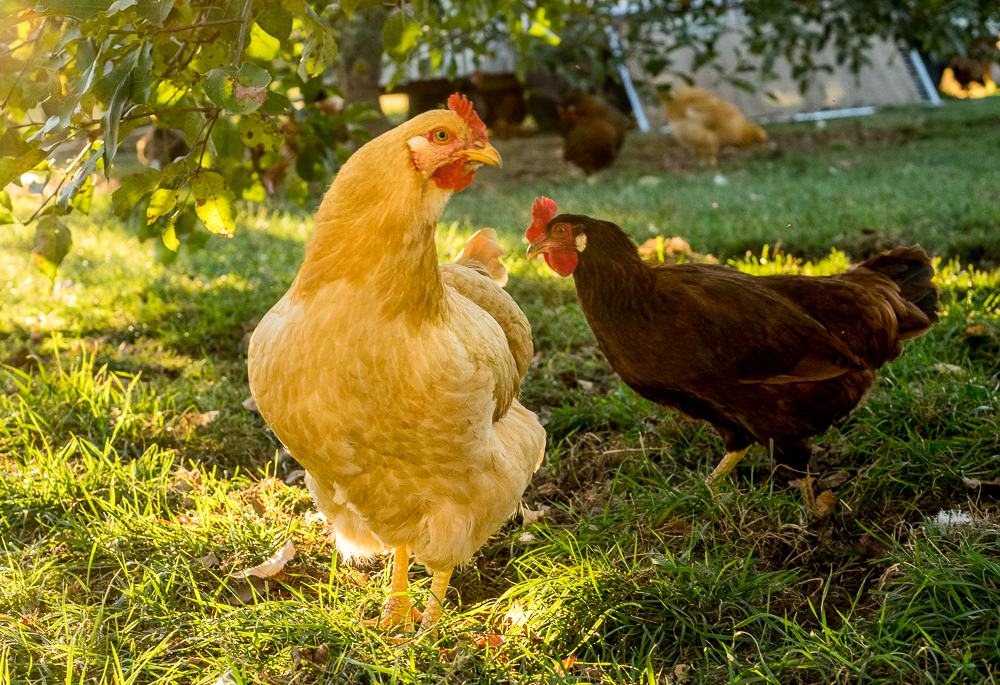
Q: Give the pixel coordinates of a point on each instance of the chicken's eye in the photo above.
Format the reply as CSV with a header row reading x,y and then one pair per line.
x,y
559,231
441,135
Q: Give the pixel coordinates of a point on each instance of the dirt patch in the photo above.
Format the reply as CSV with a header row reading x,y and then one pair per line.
x,y
580,481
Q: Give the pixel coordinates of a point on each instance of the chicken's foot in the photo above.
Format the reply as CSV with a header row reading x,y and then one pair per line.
x,y
727,464
432,612
398,608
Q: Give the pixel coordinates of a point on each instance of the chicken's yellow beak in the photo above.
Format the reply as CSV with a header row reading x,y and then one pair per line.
x,y
483,152
536,249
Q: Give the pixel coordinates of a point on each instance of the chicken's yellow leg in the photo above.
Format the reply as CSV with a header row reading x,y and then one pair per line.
x,y
727,464
439,586
398,606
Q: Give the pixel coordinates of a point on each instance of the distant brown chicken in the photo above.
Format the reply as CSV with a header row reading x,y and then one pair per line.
x,y
593,133
705,124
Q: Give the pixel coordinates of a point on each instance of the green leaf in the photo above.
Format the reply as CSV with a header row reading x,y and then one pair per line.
x,y
80,178
297,191
82,9
11,145
53,242
11,168
400,35
276,21
276,103
254,193
348,7
169,237
351,6
319,50
259,133
119,6
155,11
7,211
262,46
163,200
239,92
112,119
132,189
214,202
252,76
84,196
142,73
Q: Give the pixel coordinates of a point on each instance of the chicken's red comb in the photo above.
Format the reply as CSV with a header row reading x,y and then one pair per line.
x,y
461,106
542,212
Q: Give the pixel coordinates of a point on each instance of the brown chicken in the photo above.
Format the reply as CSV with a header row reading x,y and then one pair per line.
x,y
705,124
761,358
392,379
593,133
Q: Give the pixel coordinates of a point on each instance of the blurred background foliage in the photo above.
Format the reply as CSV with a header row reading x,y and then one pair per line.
x,y
264,99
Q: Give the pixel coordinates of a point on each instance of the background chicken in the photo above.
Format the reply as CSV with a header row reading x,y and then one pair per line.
x,y
593,133
393,380
761,358
705,124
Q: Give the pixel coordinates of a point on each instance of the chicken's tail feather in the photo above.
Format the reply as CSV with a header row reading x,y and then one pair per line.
x,y
482,247
911,270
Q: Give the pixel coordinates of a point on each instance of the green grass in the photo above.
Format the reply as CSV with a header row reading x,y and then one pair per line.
x,y
117,479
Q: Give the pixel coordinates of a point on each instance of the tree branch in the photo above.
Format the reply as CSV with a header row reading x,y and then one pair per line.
x,y
244,20
186,27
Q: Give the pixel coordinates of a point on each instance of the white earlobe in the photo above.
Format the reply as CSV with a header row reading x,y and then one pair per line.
x,y
581,242
418,144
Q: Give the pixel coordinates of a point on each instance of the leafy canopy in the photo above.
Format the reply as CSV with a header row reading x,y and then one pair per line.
x,y
242,82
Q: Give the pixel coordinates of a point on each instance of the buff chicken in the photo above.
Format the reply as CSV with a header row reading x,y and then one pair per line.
x,y
705,124
393,379
769,360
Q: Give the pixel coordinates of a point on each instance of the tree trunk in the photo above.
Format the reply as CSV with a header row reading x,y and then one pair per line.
x,y
360,65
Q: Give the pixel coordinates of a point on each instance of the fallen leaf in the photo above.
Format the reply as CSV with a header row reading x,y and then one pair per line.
x,y
316,656
228,678
250,404
257,506
272,566
871,547
973,332
826,504
565,666
450,655
186,481
832,481
209,560
585,385
491,640
526,537
942,367
208,417
675,527
976,483
253,586
531,517
295,476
